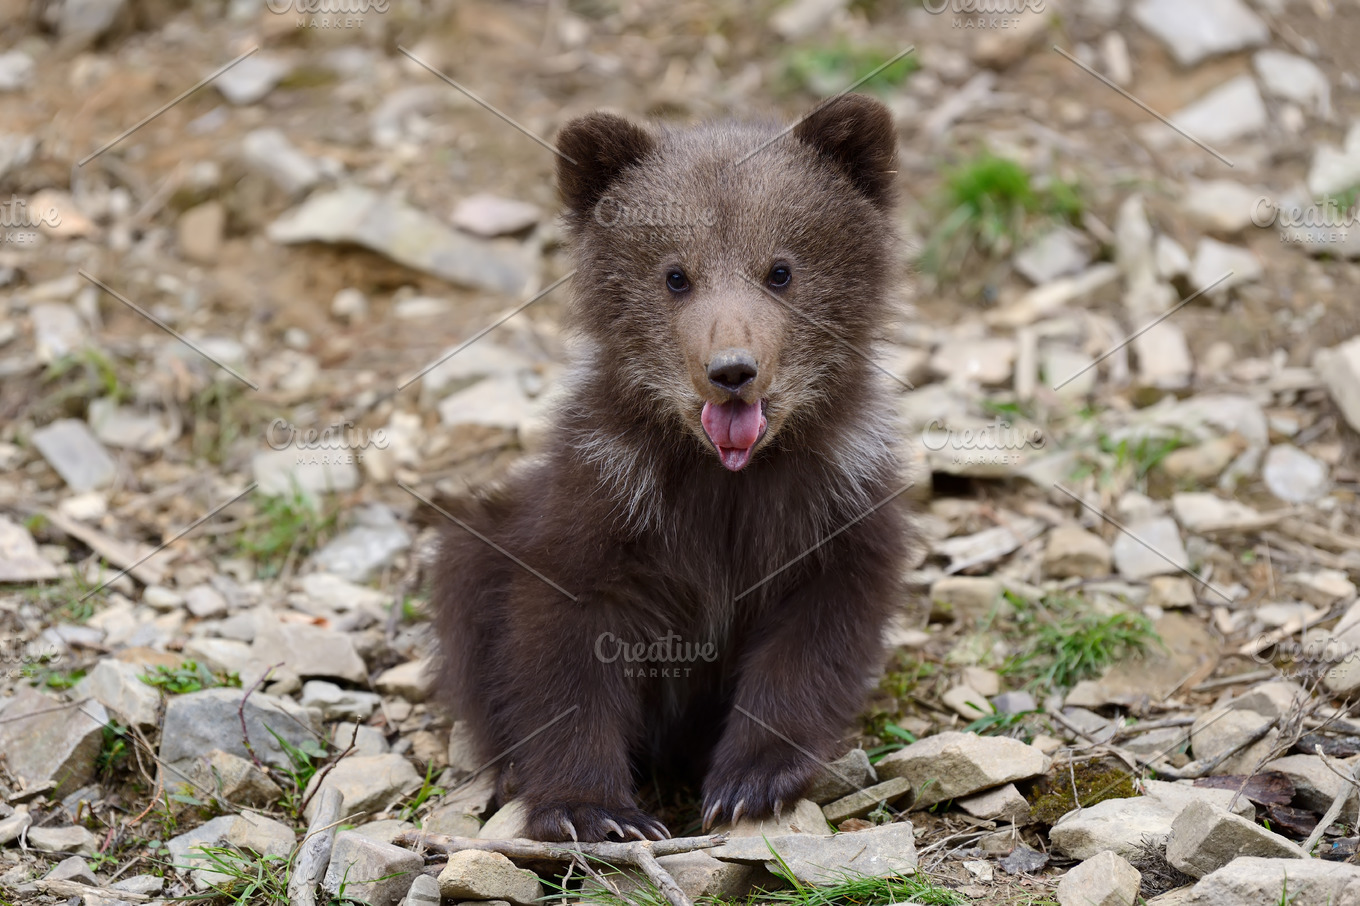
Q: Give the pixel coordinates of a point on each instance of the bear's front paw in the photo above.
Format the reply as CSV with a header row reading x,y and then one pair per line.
x,y
752,792
558,822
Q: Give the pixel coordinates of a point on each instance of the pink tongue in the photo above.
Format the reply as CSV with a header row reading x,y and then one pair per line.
x,y
734,427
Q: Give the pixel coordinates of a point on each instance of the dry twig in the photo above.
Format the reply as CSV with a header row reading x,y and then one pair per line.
x,y
639,854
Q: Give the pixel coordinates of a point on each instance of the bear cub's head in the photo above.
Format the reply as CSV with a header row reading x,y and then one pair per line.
x,y
730,276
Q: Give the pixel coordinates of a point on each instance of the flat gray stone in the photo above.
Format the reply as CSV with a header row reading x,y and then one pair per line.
x,y
73,868
369,784
1073,552
251,79
247,831
491,216
1105,879
232,778
1214,260
202,721
1221,205
20,560
270,153
44,740
1218,731
852,771
424,892
1254,881
361,551
476,875
1056,254
16,70
410,680
1121,824
130,428
949,765
69,839
1293,78
1205,838
1002,803
1232,111
495,402
970,598
370,871
861,802
1293,476
390,227
1340,370
1315,785
76,455
824,860
1150,547
118,686
309,651
335,703
58,330
1193,32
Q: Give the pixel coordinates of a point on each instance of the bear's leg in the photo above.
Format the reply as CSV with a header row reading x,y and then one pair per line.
x,y
801,682
569,720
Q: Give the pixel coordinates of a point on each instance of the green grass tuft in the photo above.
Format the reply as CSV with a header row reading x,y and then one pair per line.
x,y
987,206
1077,645
189,676
828,70
284,529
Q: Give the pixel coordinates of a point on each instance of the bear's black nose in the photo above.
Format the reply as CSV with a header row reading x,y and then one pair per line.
x,y
732,369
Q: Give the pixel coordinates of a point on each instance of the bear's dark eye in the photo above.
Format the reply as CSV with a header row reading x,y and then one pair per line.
x,y
779,276
676,281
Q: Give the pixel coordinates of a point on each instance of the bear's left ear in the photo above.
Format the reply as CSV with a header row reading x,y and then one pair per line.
x,y
592,151
856,133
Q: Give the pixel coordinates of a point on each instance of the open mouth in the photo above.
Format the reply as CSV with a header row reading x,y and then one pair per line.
x,y
734,428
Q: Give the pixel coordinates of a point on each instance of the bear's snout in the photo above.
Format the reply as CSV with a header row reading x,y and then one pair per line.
x,y
732,369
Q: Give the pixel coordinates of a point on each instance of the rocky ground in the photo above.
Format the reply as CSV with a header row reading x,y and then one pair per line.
x,y
248,264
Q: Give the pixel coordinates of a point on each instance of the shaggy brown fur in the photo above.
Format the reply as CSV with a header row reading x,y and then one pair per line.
x,y
655,519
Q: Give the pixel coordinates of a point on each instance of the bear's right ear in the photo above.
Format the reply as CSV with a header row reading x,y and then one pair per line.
x,y
592,151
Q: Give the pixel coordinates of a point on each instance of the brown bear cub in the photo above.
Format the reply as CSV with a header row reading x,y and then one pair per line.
x,y
698,572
